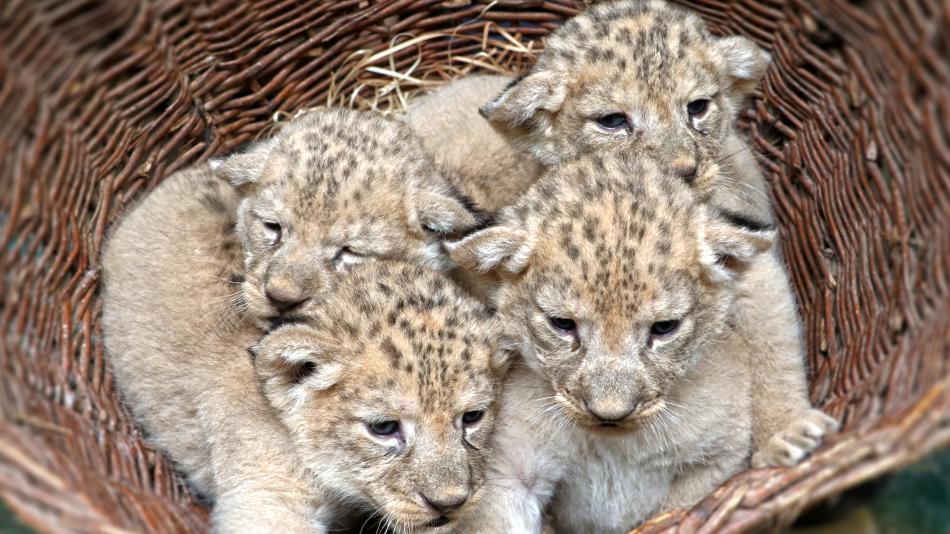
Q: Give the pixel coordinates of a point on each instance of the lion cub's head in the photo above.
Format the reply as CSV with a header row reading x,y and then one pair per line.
x,y
642,75
331,189
390,390
614,275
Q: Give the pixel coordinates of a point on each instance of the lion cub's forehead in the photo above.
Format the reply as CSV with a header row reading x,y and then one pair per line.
x,y
615,231
652,43
329,160
416,332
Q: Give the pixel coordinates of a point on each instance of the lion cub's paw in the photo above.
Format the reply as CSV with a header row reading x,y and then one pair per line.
x,y
796,441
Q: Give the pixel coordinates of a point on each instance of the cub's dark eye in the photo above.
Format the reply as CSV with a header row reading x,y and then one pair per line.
x,y
613,121
472,417
274,230
384,428
663,328
697,107
561,323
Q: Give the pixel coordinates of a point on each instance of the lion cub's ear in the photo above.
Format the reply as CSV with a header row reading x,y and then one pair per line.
x,y
439,209
247,166
292,361
504,249
520,103
745,62
729,242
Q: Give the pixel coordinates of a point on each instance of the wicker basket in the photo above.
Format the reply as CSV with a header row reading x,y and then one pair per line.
x,y
101,99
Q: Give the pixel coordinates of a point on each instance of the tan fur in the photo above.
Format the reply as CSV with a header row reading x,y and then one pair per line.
x,y
609,422
647,60
394,343
183,299
178,349
785,426
335,188
487,168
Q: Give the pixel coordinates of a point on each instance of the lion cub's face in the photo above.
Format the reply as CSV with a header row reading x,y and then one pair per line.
x,y
390,391
640,75
332,189
614,276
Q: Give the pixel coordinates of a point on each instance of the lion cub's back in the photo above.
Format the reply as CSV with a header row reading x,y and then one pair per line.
x,y
489,170
166,292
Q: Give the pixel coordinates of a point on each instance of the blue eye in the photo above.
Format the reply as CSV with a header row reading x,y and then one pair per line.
x,y
697,107
663,328
472,417
384,428
561,323
613,121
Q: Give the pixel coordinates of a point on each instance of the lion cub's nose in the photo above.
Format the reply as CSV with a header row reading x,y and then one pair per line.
x,y
686,165
609,412
284,298
445,503
687,172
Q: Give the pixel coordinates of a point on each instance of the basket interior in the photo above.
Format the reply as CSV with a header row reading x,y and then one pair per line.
x,y
102,99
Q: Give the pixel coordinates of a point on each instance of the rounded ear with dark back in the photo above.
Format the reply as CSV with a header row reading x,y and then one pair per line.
x,y
246,167
442,210
292,361
502,248
731,241
745,62
520,103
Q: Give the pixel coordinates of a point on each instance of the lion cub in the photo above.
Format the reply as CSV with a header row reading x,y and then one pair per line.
x,y
642,75
194,271
620,287
390,390
334,188
648,76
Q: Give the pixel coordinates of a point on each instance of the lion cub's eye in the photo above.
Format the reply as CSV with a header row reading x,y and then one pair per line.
x,y
346,257
563,324
384,429
472,417
273,231
697,108
613,121
664,328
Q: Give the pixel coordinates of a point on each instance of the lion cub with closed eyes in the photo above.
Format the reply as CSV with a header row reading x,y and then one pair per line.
x,y
620,286
334,188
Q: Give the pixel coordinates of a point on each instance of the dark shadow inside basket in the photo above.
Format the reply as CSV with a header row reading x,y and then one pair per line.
x,y
102,99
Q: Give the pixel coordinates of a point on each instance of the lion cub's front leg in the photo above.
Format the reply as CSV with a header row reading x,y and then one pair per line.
x,y
786,428
792,444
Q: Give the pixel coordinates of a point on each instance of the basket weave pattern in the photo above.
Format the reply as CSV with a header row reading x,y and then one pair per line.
x,y
102,99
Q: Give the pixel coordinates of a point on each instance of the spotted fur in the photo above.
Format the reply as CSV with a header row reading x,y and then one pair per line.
x,y
645,60
177,342
609,422
185,275
394,342
331,189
